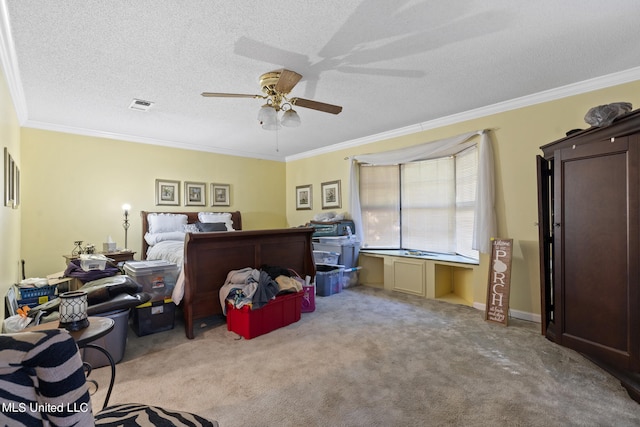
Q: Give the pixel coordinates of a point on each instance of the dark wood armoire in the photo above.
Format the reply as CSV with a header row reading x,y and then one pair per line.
x,y
589,222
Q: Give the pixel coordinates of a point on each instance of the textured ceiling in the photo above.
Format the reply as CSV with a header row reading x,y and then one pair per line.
x,y
76,65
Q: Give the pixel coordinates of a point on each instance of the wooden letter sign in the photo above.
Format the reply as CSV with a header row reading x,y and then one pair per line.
x,y
497,309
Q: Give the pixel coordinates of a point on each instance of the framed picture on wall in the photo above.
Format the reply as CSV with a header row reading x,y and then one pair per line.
x,y
8,185
16,187
220,195
304,198
331,197
167,192
195,194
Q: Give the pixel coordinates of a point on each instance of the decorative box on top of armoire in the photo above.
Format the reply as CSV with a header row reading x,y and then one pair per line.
x,y
589,234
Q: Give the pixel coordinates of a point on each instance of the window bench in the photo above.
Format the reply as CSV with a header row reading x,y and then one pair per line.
x,y
449,278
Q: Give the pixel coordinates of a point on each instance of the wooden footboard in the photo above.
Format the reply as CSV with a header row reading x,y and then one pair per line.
x,y
209,257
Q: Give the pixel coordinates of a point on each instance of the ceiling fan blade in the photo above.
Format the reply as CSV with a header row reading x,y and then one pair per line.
x,y
315,105
288,79
230,95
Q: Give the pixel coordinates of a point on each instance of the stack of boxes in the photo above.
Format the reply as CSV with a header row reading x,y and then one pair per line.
x,y
335,252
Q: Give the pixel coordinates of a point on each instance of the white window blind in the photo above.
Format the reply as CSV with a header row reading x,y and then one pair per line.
x,y
428,205
423,205
381,206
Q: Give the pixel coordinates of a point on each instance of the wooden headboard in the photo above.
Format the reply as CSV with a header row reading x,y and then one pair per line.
x,y
192,217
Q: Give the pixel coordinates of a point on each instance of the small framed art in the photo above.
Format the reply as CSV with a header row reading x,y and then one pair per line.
x,y
195,194
167,192
303,197
8,178
331,197
220,194
16,187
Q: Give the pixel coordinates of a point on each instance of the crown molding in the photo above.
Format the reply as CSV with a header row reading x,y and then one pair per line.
x,y
578,88
143,140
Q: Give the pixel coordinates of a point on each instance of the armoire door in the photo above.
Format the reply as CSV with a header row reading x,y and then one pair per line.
x,y
596,250
545,238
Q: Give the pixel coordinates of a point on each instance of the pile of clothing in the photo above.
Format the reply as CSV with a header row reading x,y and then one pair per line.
x,y
256,287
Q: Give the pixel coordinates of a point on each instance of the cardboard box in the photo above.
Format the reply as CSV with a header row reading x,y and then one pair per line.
x,y
64,283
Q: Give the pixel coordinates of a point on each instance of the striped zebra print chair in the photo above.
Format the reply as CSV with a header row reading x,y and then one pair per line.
x,y
42,383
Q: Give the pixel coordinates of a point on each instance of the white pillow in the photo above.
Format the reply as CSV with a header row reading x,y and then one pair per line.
x,y
208,217
166,222
153,238
191,228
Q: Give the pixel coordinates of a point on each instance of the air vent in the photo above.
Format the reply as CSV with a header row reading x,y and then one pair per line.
x,y
140,105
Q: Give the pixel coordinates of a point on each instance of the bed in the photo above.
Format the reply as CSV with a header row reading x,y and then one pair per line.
x,y
207,258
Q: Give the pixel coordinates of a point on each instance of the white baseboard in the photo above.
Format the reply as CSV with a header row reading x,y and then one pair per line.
x,y
516,314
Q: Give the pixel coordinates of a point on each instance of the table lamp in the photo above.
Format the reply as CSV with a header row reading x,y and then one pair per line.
x,y
126,208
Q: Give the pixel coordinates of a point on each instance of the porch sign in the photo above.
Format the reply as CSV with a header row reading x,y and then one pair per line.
x,y
497,308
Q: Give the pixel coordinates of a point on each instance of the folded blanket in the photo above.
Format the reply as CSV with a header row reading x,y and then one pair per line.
x,y
245,281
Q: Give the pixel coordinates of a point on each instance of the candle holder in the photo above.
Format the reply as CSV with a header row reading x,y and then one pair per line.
x,y
73,310
77,250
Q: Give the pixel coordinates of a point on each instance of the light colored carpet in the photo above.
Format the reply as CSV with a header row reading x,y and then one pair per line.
x,y
368,357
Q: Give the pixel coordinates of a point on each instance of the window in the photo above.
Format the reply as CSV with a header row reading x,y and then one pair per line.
x,y
425,205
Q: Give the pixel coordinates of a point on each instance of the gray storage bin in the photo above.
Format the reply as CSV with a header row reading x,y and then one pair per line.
x,y
348,249
114,342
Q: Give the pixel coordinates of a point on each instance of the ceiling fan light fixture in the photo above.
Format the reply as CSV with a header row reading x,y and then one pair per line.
x,y
276,85
267,114
290,118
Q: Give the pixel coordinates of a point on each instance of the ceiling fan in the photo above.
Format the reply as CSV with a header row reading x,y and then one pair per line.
x,y
276,85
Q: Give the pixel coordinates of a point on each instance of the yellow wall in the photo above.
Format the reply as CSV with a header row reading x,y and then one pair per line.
x,y
517,136
10,271
76,185
73,186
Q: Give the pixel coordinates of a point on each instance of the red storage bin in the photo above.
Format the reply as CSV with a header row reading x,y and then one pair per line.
x,y
281,311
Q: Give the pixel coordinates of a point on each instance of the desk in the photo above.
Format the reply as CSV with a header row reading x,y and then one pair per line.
x,y
98,327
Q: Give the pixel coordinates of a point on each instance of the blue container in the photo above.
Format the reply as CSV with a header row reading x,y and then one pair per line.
x,y
328,279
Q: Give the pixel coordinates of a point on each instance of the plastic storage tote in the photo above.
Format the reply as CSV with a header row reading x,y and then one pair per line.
x,y
157,278
326,257
153,316
328,279
114,342
281,311
348,248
